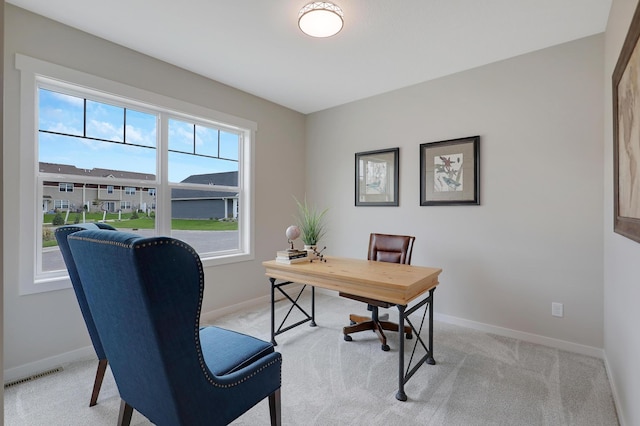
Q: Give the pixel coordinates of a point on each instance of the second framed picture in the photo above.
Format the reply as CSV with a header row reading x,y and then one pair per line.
x,y
450,172
377,177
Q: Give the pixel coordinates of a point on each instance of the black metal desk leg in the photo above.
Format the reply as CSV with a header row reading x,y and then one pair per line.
x,y
430,359
273,311
313,307
401,396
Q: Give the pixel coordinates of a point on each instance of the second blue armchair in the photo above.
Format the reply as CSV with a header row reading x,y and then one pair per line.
x,y
61,234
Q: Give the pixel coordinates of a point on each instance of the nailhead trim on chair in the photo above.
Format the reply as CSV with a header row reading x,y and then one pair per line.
x,y
191,251
69,228
93,240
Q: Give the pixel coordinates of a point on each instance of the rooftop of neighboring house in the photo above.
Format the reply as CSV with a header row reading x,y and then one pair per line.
x,y
96,172
222,178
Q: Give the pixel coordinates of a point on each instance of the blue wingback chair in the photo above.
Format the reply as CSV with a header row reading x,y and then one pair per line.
x,y
145,296
61,234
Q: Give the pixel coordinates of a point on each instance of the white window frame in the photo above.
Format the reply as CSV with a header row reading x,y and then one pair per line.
x,y
34,72
129,190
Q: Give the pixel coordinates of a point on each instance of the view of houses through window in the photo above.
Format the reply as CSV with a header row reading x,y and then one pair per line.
x,y
136,167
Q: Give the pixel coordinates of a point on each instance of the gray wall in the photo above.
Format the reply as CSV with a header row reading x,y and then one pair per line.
x,y
47,328
537,237
621,255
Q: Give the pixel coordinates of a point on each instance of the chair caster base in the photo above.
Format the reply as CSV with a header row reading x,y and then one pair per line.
x,y
347,338
385,348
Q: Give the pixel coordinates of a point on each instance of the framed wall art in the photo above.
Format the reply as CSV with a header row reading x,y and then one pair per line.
x,y
626,135
377,175
450,172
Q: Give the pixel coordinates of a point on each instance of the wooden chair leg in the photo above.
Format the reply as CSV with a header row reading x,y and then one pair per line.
x,y
355,319
126,411
97,383
377,328
392,326
361,326
274,408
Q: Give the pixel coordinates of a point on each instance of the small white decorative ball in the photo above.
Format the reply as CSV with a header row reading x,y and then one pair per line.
x,y
293,232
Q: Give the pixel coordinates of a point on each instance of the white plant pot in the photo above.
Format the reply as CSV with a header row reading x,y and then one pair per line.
x,y
311,254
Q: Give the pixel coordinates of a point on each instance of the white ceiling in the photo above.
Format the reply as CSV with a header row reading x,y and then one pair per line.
x,y
256,46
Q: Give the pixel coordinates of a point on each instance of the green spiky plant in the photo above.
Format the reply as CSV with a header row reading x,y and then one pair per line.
x,y
311,222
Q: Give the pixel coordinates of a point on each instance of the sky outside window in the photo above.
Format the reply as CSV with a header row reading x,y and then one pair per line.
x,y
63,115
119,138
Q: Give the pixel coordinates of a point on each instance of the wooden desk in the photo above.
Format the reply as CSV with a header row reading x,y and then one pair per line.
x,y
389,282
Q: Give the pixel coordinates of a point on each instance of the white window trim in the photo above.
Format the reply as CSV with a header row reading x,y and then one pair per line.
x,y
31,71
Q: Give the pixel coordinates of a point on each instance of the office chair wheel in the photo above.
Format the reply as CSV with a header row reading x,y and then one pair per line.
x,y
385,348
347,338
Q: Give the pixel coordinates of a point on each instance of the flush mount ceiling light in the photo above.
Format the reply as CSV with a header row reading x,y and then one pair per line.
x,y
320,19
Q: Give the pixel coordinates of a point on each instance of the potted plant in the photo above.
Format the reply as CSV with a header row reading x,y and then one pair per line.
x,y
311,223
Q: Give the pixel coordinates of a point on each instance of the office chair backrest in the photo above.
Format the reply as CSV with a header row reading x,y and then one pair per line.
x,y
391,248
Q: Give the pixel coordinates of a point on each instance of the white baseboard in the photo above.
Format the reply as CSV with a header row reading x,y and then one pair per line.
x,y
616,397
211,316
507,332
87,352
27,370
521,335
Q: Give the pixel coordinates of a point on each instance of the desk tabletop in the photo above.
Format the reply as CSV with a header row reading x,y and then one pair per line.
x,y
390,282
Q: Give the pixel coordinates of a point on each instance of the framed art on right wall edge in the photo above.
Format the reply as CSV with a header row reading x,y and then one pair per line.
x,y
450,172
626,135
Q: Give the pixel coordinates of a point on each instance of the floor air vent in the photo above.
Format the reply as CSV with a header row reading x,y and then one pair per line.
x,y
30,378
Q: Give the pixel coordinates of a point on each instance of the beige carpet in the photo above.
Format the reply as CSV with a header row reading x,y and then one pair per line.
x,y
479,379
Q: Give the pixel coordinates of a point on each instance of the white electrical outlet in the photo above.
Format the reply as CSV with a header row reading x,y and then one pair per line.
x,y
557,309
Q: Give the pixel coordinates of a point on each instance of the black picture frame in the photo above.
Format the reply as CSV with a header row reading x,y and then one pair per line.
x,y
376,177
450,172
626,142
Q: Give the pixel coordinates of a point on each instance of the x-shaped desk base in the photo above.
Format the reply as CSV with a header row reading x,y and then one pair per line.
x,y
404,313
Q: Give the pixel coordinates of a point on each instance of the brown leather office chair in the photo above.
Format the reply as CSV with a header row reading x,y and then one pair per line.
x,y
382,248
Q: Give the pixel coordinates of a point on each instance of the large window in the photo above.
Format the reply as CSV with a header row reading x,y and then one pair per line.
x,y
144,163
